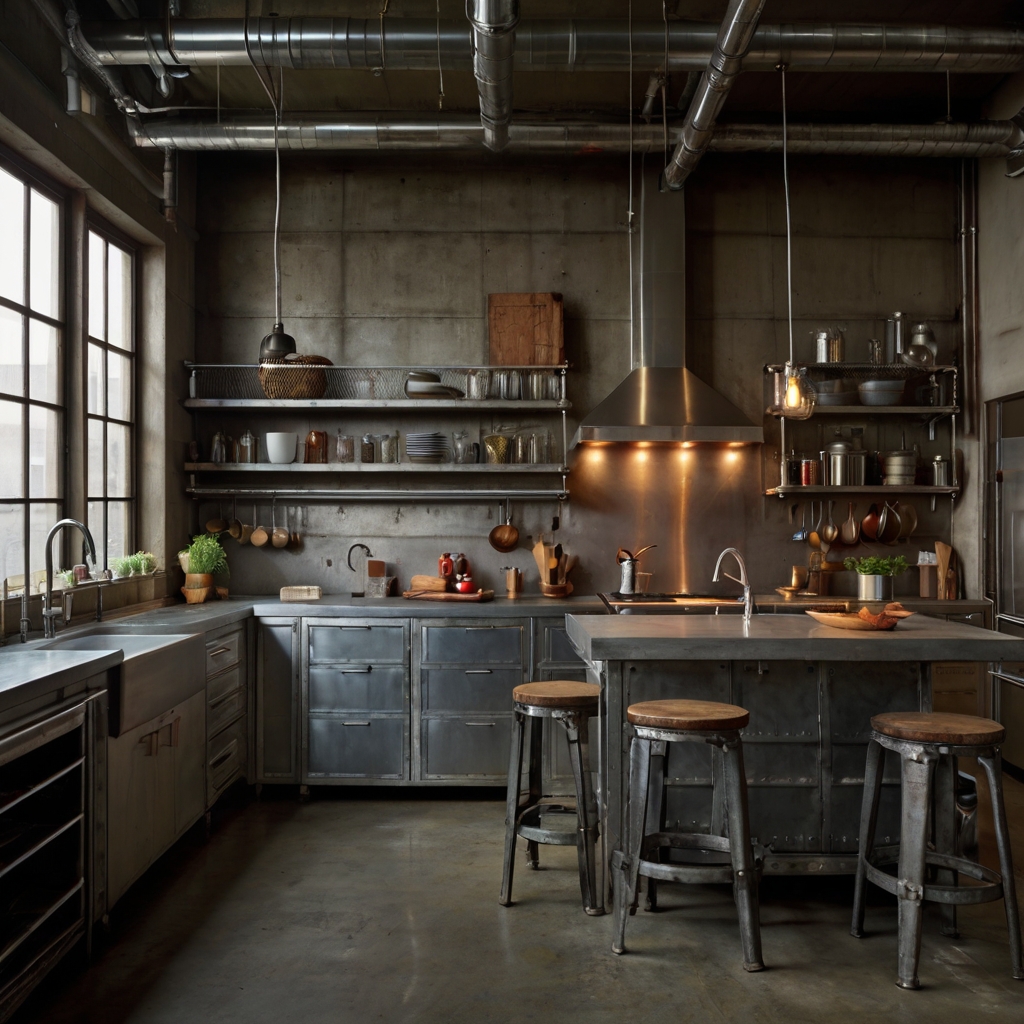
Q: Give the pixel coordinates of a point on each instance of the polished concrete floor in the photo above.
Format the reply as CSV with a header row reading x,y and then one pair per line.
x,y
384,908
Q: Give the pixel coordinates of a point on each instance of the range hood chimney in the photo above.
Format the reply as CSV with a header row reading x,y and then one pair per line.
x,y
660,400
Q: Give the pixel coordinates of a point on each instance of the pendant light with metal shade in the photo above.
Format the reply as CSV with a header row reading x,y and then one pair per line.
x,y
277,344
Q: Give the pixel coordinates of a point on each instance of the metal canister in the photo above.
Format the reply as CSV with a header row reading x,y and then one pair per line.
x,y
858,468
627,582
821,347
940,471
836,459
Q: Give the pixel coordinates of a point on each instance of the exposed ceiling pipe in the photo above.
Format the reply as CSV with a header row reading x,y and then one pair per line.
x,y
494,45
355,132
553,45
741,18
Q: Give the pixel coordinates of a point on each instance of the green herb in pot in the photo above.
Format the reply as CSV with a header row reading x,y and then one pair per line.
x,y
875,566
206,556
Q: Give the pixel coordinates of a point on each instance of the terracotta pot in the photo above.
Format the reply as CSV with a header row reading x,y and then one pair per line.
x,y
198,581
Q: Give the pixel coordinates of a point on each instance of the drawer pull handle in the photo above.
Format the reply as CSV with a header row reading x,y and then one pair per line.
x,y
354,723
219,650
1007,678
355,627
474,629
478,672
486,725
355,671
222,756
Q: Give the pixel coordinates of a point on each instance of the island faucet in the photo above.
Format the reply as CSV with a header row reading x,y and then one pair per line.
x,y
748,603
49,612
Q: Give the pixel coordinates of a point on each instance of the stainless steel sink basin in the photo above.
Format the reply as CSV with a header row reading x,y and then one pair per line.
x,y
157,673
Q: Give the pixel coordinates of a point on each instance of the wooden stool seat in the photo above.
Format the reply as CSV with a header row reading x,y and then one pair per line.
x,y
687,715
938,727
558,693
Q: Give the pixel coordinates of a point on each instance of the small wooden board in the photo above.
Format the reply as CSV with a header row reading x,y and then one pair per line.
x,y
847,620
525,329
435,595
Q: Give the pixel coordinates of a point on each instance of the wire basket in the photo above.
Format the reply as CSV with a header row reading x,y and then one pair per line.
x,y
294,377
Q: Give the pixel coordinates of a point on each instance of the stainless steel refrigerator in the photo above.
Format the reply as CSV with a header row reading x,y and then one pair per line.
x,y
1005,561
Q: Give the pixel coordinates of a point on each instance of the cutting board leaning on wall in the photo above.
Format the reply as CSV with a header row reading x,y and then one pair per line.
x,y
525,329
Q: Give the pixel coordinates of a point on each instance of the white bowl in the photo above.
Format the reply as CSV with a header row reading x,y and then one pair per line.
x,y
281,447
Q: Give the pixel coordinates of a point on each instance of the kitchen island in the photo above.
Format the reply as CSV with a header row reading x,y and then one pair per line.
x,y
811,691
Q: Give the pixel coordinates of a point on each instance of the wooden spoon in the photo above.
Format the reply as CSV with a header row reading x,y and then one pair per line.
x,y
504,537
830,531
235,525
850,530
814,537
260,535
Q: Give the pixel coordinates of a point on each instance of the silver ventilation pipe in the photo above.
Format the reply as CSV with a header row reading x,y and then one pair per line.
x,y
494,45
741,18
370,133
552,45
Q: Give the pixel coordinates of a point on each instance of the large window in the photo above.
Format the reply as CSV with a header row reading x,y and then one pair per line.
x,y
31,374
110,395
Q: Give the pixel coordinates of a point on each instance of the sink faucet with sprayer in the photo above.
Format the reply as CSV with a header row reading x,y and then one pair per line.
x,y
748,603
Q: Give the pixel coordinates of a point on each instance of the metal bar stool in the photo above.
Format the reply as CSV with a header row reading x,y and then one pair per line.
x,y
571,704
929,742
657,723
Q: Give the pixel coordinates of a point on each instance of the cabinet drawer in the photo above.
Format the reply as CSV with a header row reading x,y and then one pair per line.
x,y
469,689
226,757
357,643
488,645
357,747
224,652
474,746
357,688
226,682
554,643
224,710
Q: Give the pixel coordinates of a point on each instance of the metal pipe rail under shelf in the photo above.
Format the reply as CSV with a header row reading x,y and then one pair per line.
x,y
340,497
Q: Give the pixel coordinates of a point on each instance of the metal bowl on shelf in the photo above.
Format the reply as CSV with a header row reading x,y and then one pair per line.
x,y
881,392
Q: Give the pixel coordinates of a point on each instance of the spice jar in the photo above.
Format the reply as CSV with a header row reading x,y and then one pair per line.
x,y
367,449
345,448
248,448
316,446
389,447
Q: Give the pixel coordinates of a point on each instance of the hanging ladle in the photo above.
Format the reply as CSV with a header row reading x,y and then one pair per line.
x,y
504,537
801,534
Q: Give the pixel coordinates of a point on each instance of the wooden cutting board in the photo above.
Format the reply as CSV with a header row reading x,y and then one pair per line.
x,y
525,329
434,595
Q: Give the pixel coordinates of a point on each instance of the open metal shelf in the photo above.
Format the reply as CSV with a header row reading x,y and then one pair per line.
x,y
500,468
926,412
796,490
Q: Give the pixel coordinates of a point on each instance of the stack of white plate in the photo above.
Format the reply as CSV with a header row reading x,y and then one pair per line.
x,y
427,384
428,446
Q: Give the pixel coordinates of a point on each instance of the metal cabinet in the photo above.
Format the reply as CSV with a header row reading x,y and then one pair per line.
x,y
355,700
278,667
465,670
227,707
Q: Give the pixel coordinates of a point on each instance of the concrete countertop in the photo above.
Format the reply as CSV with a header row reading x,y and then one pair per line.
x,y
780,637
342,605
28,674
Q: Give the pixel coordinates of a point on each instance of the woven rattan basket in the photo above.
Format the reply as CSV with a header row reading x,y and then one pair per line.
x,y
294,377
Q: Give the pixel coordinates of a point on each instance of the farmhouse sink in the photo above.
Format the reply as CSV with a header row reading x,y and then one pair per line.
x,y
158,672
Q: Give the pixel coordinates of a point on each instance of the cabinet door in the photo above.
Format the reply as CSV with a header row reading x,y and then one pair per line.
x,y
277,699
187,750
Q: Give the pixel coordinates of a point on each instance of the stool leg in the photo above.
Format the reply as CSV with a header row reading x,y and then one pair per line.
x,y
868,821
586,811
745,876
917,769
944,802
629,865
515,767
655,810
993,766
536,784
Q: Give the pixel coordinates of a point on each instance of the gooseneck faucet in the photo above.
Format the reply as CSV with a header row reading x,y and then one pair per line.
x,y
748,603
50,613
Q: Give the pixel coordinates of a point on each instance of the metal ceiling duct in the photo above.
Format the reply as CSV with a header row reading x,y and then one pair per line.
x,y
741,18
551,45
368,132
494,45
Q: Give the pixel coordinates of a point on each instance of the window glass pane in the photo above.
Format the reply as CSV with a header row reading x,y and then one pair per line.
x,y
94,520
119,383
95,383
12,237
12,379
40,518
118,529
11,481
119,297
94,458
43,362
44,452
12,543
96,286
44,271
118,455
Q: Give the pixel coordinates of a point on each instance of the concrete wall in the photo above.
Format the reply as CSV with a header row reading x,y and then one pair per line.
x,y
390,261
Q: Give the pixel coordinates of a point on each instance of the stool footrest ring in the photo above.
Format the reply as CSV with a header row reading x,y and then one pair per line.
x,y
990,889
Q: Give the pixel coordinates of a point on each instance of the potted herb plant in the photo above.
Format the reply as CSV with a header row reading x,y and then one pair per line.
x,y
875,575
205,558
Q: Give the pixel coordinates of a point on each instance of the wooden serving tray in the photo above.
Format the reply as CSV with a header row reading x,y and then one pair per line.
x,y
436,595
847,620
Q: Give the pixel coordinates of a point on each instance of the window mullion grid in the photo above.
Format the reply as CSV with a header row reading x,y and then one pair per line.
x,y
106,399
26,295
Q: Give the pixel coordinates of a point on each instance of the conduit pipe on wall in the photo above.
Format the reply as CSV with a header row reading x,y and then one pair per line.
x,y
552,45
371,133
741,18
494,45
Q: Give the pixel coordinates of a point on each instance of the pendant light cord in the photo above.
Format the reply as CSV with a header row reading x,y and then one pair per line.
x,y
789,230
277,199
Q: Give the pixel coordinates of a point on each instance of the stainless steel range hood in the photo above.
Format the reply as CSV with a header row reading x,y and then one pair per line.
x,y
660,400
